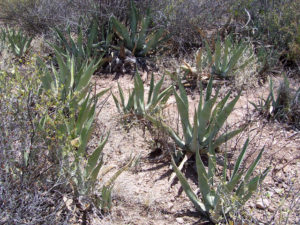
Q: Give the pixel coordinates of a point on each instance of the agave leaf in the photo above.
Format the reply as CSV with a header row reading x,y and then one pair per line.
x,y
204,117
130,103
101,93
203,183
164,95
227,136
62,38
195,142
152,42
151,89
106,198
211,163
93,159
251,188
225,56
139,93
91,38
220,106
223,115
82,115
144,28
188,190
156,90
264,174
218,54
94,174
117,103
86,76
133,20
209,53
123,33
234,59
233,182
240,159
253,166
184,116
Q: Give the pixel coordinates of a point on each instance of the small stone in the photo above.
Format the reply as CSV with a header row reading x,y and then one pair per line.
x,y
271,209
279,190
170,205
262,203
179,220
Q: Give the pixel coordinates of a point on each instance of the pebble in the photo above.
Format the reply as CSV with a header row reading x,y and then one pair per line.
x,y
262,203
179,220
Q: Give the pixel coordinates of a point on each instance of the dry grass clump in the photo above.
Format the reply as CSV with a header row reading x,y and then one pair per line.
x,y
247,76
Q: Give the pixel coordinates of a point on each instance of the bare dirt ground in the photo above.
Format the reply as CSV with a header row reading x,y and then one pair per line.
x,y
143,194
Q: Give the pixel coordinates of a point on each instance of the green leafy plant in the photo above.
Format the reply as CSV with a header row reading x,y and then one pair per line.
x,y
136,103
85,47
70,81
222,62
209,118
82,168
138,41
214,192
19,43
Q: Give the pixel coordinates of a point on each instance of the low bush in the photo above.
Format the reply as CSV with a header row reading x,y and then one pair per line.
x,y
284,106
270,23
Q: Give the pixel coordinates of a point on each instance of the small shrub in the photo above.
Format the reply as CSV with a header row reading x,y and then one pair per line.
x,y
272,23
285,106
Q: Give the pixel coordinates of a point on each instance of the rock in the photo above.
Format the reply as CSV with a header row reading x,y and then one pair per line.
x,y
271,209
179,220
262,203
170,205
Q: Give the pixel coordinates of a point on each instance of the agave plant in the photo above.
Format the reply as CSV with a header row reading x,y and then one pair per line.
x,y
219,197
208,121
71,81
225,63
19,43
136,102
86,45
224,60
138,41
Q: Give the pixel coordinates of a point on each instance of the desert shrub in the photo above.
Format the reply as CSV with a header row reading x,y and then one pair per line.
x,y
273,23
24,157
284,106
180,18
37,16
